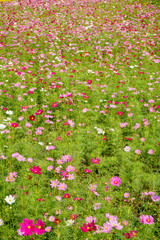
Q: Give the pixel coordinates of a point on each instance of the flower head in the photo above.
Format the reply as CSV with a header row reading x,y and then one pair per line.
x,y
40,230
10,199
27,227
115,181
36,170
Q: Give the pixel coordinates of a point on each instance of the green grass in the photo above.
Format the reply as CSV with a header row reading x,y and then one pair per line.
x,y
116,45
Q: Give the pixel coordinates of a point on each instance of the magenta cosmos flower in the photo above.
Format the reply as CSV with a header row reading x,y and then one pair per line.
x,y
40,230
115,181
27,227
36,170
89,227
54,105
96,160
15,125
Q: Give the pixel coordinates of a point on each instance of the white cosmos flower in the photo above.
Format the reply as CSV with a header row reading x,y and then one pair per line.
x,y
69,222
9,112
9,199
127,149
2,126
1,222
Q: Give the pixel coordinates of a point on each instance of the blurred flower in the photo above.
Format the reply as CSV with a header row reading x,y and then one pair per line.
x,y
36,170
9,199
115,181
1,222
27,227
2,126
127,149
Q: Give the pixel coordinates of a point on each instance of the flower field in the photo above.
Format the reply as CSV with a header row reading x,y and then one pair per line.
x,y
79,120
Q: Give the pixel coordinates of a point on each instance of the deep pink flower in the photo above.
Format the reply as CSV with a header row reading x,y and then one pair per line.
x,y
40,230
36,170
15,125
96,160
39,112
87,170
54,105
127,235
27,227
120,113
89,227
66,195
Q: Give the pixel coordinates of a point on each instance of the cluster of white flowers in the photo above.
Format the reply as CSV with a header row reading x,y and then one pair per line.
x,y
69,222
100,131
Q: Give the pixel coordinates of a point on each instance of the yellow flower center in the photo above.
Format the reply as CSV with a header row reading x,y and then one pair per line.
x,y
29,227
39,227
87,227
115,182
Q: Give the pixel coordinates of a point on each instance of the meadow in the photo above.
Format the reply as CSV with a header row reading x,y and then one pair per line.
x,y
79,120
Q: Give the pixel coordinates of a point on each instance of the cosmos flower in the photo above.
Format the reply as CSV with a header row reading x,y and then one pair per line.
x,y
40,230
115,181
10,199
27,227
36,170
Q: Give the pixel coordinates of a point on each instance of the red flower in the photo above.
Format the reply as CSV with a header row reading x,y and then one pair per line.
x,y
66,195
73,216
15,125
127,235
57,221
36,170
32,118
89,227
40,230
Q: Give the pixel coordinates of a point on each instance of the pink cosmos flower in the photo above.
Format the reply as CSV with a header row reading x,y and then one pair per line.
x,y
54,183
36,170
126,195
87,170
96,160
147,219
137,151
150,151
50,168
27,227
40,230
89,227
115,181
51,218
15,125
107,228
48,229
90,219
54,105
62,186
